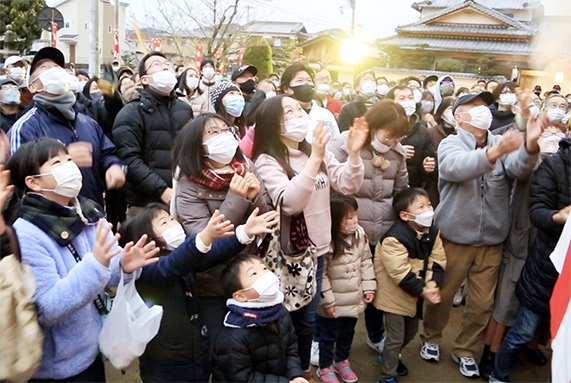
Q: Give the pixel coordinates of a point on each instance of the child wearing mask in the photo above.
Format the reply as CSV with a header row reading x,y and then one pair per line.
x,y
258,342
348,285
409,267
176,354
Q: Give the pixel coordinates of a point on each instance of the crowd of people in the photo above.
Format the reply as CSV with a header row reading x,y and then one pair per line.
x,y
395,200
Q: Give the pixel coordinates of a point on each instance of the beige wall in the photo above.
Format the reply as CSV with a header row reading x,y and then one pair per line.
x,y
469,18
557,7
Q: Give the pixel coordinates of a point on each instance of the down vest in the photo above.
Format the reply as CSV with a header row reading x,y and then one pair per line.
x,y
347,277
375,197
550,192
144,133
257,354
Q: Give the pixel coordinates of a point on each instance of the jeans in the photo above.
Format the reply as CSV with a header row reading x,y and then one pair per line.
x,y
336,333
304,321
520,334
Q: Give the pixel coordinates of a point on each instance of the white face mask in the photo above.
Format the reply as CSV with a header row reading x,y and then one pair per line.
x,y
368,89
163,81
409,107
383,89
555,114
448,117
338,95
565,119
192,83
55,81
323,89
508,99
208,72
174,237
379,146
270,94
68,180
268,286
417,95
222,147
534,111
424,219
346,92
297,128
427,106
481,117
16,73
349,229
74,84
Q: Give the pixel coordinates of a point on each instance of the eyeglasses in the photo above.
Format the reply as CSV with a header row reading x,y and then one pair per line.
x,y
551,134
214,130
9,86
451,83
159,64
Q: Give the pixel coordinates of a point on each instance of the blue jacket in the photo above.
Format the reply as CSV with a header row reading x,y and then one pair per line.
x,y
40,122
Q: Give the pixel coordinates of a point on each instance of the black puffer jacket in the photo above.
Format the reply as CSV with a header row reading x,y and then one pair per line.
x,y
351,111
500,119
419,137
550,192
144,133
257,354
104,112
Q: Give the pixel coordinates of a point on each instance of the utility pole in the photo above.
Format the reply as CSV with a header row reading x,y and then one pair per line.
x,y
353,3
94,39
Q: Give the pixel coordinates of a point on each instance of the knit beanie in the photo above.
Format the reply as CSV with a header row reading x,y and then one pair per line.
x,y
219,90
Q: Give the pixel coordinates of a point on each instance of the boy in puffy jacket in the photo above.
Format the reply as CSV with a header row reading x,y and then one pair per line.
x,y
258,342
409,265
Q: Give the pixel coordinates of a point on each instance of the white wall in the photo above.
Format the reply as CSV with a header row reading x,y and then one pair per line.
x,y
557,7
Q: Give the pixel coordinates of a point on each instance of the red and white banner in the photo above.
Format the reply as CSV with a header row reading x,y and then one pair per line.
x,y
198,56
218,54
116,45
560,305
241,55
157,45
54,35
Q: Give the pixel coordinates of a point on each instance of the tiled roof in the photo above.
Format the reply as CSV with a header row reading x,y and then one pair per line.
x,y
495,4
461,45
276,27
419,72
464,28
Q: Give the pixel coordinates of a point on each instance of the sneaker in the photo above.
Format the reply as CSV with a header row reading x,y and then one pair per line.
x,y
314,359
430,352
327,375
378,347
495,379
486,365
345,371
468,366
401,369
458,297
535,356
389,380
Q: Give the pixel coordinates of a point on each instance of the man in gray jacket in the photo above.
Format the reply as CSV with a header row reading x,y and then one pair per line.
x,y
476,170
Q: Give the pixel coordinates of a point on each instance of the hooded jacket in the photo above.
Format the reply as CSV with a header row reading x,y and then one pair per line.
x,y
436,92
501,118
144,132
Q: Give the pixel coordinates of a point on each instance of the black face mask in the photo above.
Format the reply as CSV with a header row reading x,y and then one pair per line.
x,y
303,93
249,86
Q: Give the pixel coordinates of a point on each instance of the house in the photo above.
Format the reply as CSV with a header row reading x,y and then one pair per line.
x,y
74,38
277,32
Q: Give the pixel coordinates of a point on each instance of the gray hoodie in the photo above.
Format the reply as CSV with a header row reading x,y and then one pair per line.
x,y
474,204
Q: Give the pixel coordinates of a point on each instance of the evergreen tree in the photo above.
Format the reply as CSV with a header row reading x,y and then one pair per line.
x,y
23,16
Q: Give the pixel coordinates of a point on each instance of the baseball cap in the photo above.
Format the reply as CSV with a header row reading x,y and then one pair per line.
x,y
244,68
487,97
47,53
13,60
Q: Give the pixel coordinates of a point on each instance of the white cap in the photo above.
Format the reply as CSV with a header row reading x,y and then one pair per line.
x,y
13,60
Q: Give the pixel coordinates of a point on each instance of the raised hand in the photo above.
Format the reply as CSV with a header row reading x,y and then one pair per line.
x,y
115,177
321,137
535,126
216,228
101,248
239,186
5,190
261,224
253,184
356,139
135,256
81,153
511,141
409,151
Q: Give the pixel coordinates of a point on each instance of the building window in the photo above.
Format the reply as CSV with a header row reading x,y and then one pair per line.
x,y
66,24
136,44
85,25
110,29
277,42
185,43
170,42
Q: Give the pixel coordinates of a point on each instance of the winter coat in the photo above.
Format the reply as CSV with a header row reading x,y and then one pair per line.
x,y
104,112
419,137
500,118
252,104
550,192
333,105
257,354
41,122
347,278
375,197
350,111
437,134
399,268
197,102
475,194
7,120
170,283
144,132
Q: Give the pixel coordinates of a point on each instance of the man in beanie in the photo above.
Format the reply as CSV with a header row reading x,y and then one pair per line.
x,y
144,132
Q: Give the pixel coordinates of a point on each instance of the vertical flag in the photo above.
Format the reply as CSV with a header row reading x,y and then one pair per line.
x,y
54,35
116,45
157,46
241,55
218,54
198,56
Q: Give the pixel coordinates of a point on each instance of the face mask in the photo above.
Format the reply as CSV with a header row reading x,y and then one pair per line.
x,y
550,145
55,81
97,96
276,83
409,107
303,93
297,128
508,99
116,68
192,83
382,89
222,147
368,89
249,86
555,114
481,117
68,180
268,286
427,106
163,81
349,229
11,97
380,147
74,84
218,78
270,94
565,119
534,111
16,73
235,105
174,237
447,90
424,219
338,95
417,95
432,89
81,85
208,72
448,117
323,89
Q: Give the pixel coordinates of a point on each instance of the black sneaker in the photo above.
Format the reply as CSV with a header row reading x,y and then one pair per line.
x,y
486,366
535,356
401,369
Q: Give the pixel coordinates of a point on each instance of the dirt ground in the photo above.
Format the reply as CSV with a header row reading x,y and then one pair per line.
x,y
363,360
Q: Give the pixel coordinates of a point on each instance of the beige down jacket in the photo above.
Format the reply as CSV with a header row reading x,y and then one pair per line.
x,y
347,278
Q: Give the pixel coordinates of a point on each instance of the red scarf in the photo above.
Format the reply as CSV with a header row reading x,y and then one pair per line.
x,y
217,181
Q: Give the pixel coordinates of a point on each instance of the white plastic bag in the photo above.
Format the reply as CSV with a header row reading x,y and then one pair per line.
x,y
129,326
